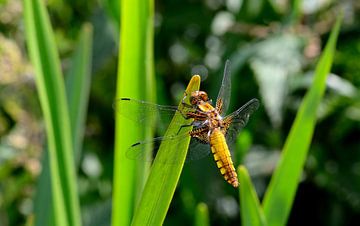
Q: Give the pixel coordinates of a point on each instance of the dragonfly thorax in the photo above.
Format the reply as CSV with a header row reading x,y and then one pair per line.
x,y
205,112
212,116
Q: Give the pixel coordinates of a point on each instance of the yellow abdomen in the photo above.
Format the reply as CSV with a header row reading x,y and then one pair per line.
x,y
222,157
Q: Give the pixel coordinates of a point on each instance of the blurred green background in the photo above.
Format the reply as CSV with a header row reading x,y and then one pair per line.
x,y
273,45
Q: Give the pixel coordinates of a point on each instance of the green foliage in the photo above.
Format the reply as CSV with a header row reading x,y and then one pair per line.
x,y
273,46
43,208
280,195
77,93
135,79
51,90
113,10
163,178
251,212
78,88
202,215
64,208
281,192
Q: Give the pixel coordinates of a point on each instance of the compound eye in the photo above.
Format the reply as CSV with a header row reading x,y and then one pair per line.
x,y
204,97
192,100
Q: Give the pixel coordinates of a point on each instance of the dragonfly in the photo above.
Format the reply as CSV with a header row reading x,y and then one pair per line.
x,y
212,130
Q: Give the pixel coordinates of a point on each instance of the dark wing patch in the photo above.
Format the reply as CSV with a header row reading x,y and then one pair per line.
x,y
238,119
197,150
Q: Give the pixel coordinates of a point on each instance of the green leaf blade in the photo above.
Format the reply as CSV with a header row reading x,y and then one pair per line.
x,y
281,192
50,85
202,215
43,208
135,80
163,178
251,211
78,88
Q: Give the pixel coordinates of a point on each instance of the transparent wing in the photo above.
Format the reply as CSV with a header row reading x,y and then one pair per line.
x,y
223,99
146,150
197,150
238,119
142,111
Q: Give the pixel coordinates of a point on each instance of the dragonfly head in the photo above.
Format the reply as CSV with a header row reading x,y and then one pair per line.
x,y
198,97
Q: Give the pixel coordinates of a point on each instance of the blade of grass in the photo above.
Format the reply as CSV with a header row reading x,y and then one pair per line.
x,y
42,204
280,194
202,215
143,167
251,212
112,9
78,88
43,54
135,79
160,186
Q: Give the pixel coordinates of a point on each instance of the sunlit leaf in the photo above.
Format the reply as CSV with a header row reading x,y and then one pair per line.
x,y
250,209
280,195
163,178
202,215
135,80
78,88
51,90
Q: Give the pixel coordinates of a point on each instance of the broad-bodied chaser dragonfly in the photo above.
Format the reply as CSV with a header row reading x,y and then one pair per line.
x,y
212,130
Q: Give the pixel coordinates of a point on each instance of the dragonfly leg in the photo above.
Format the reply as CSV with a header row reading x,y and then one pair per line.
x,y
197,116
190,115
186,105
201,134
183,126
185,115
